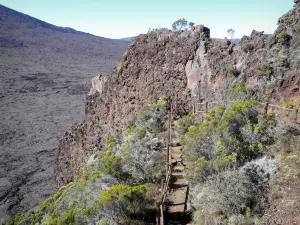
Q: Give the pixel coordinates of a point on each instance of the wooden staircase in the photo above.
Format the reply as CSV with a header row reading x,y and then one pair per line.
x,y
177,197
175,189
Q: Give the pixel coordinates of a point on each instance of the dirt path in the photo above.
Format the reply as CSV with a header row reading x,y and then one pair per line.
x,y
177,198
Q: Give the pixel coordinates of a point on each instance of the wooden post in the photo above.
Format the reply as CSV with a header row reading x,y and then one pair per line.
x,y
158,215
206,107
168,147
162,186
194,107
266,106
295,115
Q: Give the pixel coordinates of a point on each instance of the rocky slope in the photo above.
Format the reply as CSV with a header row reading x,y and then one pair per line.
x,y
45,72
188,65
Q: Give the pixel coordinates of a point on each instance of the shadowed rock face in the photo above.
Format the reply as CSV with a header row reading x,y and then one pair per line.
x,y
166,61
45,73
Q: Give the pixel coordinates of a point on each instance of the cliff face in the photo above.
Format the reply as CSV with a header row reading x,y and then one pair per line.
x,y
188,65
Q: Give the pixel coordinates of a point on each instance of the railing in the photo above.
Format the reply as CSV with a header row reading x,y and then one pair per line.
x,y
165,184
291,114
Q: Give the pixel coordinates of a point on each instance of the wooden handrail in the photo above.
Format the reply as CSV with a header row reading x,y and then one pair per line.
x,y
264,104
165,185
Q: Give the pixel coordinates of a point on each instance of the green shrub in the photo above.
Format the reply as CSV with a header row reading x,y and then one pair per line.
x,y
297,27
289,106
277,58
121,203
264,69
247,47
287,20
15,220
78,129
232,69
284,37
227,138
238,90
186,122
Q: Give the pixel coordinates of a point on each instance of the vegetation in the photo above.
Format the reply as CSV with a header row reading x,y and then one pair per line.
x,y
247,47
231,33
264,69
228,175
182,24
191,24
284,37
287,20
297,27
227,138
235,196
232,69
289,106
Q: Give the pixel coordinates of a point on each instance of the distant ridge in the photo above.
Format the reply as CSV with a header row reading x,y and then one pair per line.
x,y
127,39
235,40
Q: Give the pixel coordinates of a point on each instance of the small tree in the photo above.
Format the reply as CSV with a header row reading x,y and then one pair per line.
x,y
231,33
180,24
191,24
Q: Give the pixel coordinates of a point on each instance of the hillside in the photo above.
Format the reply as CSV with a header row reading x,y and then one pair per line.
x,y
45,73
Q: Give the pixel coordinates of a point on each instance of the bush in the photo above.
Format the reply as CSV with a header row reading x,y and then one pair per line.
x,y
232,69
297,27
227,138
122,204
186,122
289,106
284,37
247,47
237,196
287,20
238,92
264,69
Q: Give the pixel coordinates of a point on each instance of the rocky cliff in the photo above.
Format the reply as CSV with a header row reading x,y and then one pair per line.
x,y
187,65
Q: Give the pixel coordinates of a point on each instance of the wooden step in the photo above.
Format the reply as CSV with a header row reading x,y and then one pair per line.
x,y
174,161
181,181
176,156
178,168
178,175
177,148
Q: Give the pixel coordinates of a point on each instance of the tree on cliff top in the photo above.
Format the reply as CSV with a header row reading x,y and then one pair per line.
x,y
191,24
231,33
180,24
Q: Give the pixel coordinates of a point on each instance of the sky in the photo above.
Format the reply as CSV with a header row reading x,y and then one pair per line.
x,y
127,18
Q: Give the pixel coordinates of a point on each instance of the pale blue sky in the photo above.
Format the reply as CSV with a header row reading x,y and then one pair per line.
x,y
125,18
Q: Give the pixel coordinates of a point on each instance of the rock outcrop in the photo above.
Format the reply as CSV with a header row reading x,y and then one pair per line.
x,y
187,65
